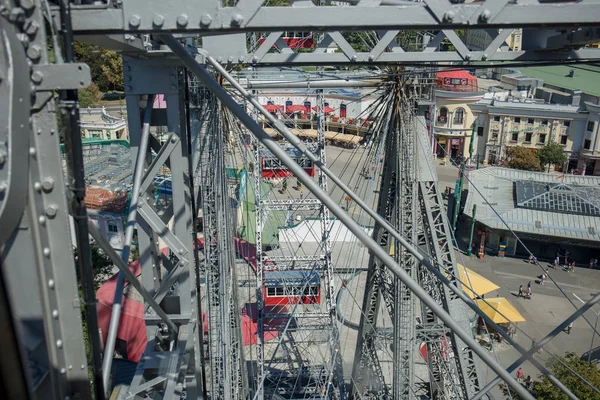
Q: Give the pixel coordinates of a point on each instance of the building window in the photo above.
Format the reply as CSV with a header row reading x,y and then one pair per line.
x,y
542,138
530,121
528,137
495,134
270,291
497,118
459,116
517,120
342,111
112,227
480,131
587,143
590,126
443,117
544,122
566,123
563,139
514,137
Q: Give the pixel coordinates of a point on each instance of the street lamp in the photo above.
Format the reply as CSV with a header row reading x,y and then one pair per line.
x,y
595,325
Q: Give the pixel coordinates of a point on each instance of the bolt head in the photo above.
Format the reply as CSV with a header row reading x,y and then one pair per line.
x,y
51,283
48,185
3,187
241,59
485,16
33,53
237,19
31,28
42,220
484,56
449,16
205,20
2,157
135,21
55,314
51,211
182,20
158,20
37,77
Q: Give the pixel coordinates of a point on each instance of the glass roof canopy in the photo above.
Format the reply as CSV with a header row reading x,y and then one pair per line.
x,y
558,197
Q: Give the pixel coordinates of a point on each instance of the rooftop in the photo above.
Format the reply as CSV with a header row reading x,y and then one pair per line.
x,y
586,77
537,203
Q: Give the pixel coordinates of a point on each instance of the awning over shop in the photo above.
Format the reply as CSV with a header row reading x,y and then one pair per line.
x,y
273,108
295,108
326,109
476,282
499,305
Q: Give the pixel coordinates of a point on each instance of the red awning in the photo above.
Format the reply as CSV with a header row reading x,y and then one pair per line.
x,y
328,110
295,108
273,107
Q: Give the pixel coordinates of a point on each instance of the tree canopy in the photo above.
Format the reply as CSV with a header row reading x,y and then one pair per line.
x,y
523,158
106,66
542,388
552,154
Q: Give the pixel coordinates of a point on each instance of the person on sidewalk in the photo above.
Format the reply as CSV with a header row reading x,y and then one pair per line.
x,y
556,262
528,382
542,279
529,292
521,291
520,374
568,328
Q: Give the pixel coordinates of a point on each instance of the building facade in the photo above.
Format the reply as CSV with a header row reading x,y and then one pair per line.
x,y
96,123
506,124
455,91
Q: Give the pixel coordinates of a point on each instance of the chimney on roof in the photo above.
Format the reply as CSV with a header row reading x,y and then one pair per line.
x,y
571,73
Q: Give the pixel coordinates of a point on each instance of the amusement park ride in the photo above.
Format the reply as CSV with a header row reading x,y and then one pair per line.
x,y
301,344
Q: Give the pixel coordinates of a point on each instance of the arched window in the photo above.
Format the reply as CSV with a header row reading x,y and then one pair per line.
x,y
112,227
459,116
443,117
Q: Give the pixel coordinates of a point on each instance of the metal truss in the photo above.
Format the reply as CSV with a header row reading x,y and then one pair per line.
x,y
384,25
227,370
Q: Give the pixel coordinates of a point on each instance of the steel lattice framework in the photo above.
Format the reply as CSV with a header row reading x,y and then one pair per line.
x,y
178,283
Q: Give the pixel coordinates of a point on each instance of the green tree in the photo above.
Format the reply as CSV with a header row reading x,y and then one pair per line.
x,y
552,154
543,389
523,158
106,66
89,96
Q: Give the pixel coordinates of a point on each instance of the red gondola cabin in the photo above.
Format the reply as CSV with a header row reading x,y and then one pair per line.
x,y
292,287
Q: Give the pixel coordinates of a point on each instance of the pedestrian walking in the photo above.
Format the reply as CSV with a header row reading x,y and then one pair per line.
x,y
528,382
542,279
568,328
521,291
556,262
520,375
532,259
529,292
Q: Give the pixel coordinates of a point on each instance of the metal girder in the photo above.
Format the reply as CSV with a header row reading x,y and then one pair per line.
x,y
367,374
226,361
138,16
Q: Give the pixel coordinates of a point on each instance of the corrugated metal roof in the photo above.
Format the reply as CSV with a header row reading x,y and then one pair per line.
x,y
496,185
